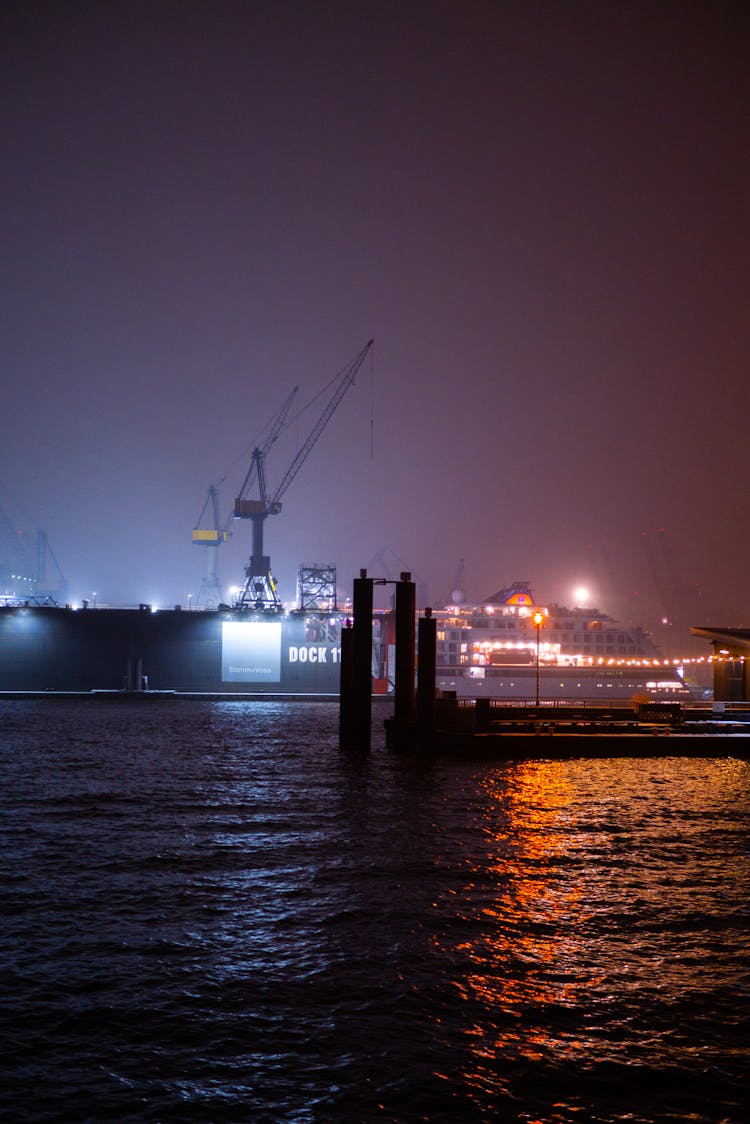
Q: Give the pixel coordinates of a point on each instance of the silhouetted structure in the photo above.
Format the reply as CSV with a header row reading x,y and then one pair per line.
x,y
731,662
355,698
413,703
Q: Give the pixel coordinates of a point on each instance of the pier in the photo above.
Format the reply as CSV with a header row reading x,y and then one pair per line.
x,y
426,721
494,728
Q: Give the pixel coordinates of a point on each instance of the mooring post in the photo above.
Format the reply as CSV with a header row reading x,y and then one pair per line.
x,y
346,688
361,675
426,668
404,709
482,715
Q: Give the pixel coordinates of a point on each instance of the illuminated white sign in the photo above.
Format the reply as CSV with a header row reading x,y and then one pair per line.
x,y
313,653
251,651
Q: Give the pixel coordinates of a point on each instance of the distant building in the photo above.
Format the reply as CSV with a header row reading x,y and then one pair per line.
x,y
731,656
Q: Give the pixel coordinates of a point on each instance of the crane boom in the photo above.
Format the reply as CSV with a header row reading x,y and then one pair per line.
x,y
348,376
259,454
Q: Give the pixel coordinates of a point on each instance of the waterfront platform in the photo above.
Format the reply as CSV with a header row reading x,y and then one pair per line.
x,y
541,746
490,728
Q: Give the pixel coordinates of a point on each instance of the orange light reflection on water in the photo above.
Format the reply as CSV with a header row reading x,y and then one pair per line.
x,y
588,897
534,922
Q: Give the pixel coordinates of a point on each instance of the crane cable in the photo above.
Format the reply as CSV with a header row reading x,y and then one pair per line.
x,y
245,452
292,421
297,417
372,404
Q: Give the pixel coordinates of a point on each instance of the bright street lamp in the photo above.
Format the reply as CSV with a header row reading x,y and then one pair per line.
x,y
538,621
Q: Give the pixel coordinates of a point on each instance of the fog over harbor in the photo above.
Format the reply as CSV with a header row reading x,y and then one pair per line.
x,y
539,212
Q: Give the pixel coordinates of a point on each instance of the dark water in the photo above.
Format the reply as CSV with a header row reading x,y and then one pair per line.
x,y
212,914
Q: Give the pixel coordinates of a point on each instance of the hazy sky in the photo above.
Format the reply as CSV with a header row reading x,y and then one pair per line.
x,y
538,210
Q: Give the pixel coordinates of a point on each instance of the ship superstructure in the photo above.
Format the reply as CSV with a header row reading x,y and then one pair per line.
x,y
494,647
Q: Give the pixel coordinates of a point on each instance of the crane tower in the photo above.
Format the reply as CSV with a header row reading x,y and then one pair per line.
x,y
211,537
209,595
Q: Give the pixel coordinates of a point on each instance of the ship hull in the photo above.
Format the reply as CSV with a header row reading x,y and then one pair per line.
x,y
584,683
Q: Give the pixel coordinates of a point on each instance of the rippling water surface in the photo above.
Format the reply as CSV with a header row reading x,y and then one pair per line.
x,y
212,914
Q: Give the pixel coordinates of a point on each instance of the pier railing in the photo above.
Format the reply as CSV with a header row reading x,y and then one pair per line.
x,y
716,708
486,715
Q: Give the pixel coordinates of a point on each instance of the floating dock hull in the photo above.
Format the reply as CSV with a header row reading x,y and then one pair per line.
x,y
61,649
53,649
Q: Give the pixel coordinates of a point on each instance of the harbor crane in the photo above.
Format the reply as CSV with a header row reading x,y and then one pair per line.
x,y
260,590
209,594
218,531
25,574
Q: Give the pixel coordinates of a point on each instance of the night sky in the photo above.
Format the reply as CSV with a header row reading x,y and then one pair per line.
x,y
538,210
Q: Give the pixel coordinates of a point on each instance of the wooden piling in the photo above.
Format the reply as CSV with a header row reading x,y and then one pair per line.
x,y
355,701
346,688
404,711
426,670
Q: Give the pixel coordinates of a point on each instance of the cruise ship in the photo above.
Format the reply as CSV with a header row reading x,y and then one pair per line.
x,y
509,646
